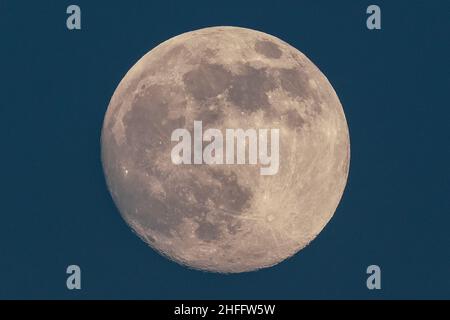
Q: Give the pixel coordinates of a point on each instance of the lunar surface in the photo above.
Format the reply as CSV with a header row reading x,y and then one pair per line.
x,y
225,218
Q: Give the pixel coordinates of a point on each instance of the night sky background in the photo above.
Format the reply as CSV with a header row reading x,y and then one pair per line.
x,y
55,87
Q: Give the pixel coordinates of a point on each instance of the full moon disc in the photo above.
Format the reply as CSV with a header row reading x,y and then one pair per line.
x,y
225,217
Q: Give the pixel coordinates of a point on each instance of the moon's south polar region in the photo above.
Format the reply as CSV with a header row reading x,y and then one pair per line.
x,y
225,218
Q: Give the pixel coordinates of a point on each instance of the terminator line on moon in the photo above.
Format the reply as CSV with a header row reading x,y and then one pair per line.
x,y
225,218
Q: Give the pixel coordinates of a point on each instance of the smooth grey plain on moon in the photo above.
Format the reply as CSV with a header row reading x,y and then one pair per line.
x,y
225,218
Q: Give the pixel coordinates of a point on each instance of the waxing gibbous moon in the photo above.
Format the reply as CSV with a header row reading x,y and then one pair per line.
x,y
225,218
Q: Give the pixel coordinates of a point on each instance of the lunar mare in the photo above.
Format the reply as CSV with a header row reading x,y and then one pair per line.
x,y
225,218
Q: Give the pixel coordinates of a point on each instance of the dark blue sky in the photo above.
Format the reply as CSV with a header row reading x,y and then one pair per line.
x,y
56,210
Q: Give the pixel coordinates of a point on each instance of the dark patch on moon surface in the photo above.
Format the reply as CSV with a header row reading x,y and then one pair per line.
x,y
268,49
295,82
147,124
294,119
207,80
225,218
249,89
230,195
208,231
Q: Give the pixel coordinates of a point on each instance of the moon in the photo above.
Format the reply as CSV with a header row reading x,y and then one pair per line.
x,y
225,218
